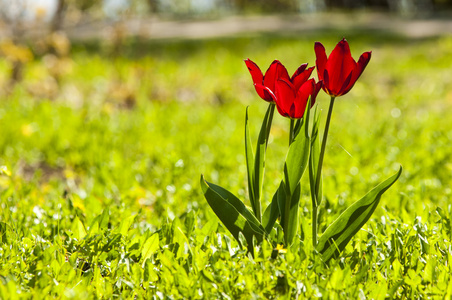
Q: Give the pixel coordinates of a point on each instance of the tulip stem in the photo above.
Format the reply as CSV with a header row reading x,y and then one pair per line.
x,y
291,132
317,201
270,120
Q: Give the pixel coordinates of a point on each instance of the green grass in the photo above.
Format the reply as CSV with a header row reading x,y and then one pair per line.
x,y
112,159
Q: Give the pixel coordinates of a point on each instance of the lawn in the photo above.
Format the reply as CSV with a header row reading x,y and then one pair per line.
x,y
99,186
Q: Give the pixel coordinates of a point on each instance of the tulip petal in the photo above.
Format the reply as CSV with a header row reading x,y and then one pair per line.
x,y
339,65
314,94
299,78
298,71
302,97
347,85
285,96
363,61
266,90
282,112
292,111
360,66
258,78
255,71
326,82
274,72
321,59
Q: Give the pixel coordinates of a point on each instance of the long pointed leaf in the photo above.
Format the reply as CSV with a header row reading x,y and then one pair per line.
x,y
296,162
316,196
235,202
292,224
3,232
259,160
149,247
339,233
298,154
272,212
102,220
249,162
232,213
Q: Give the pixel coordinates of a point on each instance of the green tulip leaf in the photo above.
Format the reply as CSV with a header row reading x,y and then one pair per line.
x,y
256,171
298,154
249,161
296,163
259,160
234,201
290,226
314,160
272,212
232,213
339,233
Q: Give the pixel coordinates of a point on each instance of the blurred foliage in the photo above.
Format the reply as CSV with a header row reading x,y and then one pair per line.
x,y
15,53
99,163
74,11
266,6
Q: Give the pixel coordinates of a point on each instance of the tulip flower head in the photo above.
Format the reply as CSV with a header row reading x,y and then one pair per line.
x,y
339,71
290,94
275,71
291,99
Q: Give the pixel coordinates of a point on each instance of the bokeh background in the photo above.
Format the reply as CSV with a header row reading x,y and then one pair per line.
x,y
31,29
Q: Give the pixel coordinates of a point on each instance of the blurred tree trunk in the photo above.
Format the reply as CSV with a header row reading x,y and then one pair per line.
x,y
58,18
153,6
58,45
12,47
411,8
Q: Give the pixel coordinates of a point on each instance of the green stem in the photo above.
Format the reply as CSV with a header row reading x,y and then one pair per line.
x,y
291,132
314,225
270,120
288,194
286,217
319,173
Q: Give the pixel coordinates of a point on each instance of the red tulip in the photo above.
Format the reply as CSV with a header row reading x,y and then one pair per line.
x,y
339,71
291,99
275,71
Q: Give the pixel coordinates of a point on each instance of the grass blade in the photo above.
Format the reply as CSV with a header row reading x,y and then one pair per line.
x,y
149,247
